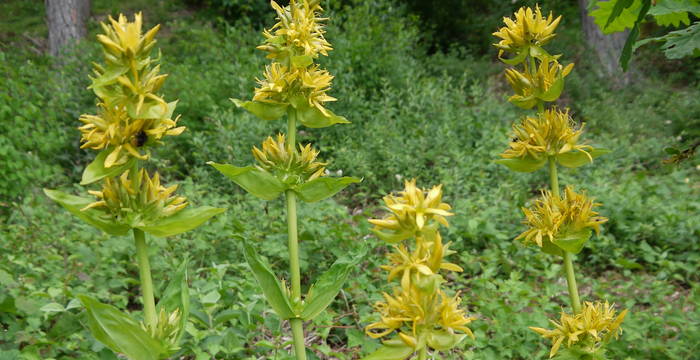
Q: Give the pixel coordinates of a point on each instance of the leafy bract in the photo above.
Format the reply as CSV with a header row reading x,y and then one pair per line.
x,y
526,164
119,332
96,170
255,181
177,296
323,188
272,288
574,159
182,221
263,110
74,204
394,349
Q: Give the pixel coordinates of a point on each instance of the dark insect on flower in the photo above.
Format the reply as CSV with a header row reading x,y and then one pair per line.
x,y
141,138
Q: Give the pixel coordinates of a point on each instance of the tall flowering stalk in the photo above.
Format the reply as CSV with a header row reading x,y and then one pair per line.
x,y
558,224
293,84
419,313
133,118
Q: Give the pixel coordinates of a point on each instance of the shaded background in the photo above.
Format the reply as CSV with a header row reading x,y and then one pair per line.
x,y
427,99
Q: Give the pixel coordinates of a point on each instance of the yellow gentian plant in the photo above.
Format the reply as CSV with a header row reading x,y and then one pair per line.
x,y
419,313
293,84
559,224
132,118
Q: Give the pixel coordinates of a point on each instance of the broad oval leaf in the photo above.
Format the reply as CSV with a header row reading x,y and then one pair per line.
x,y
393,351
96,170
119,332
253,180
323,188
312,117
271,287
328,285
574,159
526,164
551,249
184,220
523,102
91,216
573,241
264,111
442,340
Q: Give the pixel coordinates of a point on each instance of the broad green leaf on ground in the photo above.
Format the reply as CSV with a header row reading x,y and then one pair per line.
x,y
272,288
119,332
74,204
253,180
182,221
323,188
96,170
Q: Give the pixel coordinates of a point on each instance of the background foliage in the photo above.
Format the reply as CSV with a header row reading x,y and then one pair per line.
x,y
426,100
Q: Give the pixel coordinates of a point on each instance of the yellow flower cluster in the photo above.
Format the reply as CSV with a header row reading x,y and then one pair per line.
x,y
529,28
543,83
131,113
293,43
553,218
551,133
410,212
595,325
136,199
419,310
288,165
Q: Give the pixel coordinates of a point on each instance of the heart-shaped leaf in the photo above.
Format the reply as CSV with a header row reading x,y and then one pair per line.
x,y
253,180
74,204
526,164
272,288
119,332
323,188
264,111
184,220
96,170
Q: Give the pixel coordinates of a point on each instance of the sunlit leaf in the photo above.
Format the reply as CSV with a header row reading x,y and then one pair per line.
x,y
255,181
323,188
526,164
264,111
182,221
574,159
74,204
96,170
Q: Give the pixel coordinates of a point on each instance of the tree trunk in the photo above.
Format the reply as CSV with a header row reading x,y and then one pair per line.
x,y
66,20
607,47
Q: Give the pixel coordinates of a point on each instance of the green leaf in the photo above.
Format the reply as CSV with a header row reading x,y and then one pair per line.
x,y
177,296
184,220
96,170
301,61
264,111
573,241
91,216
255,181
574,159
674,12
272,288
119,332
312,117
152,110
326,288
619,6
633,35
517,59
53,307
395,350
626,18
442,340
683,43
526,164
323,188
523,102
551,249
109,76
554,91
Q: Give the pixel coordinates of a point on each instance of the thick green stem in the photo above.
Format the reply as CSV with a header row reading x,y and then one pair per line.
x,y
149,305
568,261
423,353
571,281
293,244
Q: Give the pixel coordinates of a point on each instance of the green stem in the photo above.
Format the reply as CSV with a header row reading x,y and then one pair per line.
x,y
294,271
568,261
423,353
540,106
149,305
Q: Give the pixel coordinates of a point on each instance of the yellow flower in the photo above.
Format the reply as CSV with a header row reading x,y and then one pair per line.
x,y
122,38
274,85
411,211
595,326
549,134
545,85
290,166
137,200
452,318
113,127
281,85
554,219
529,28
315,83
298,32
